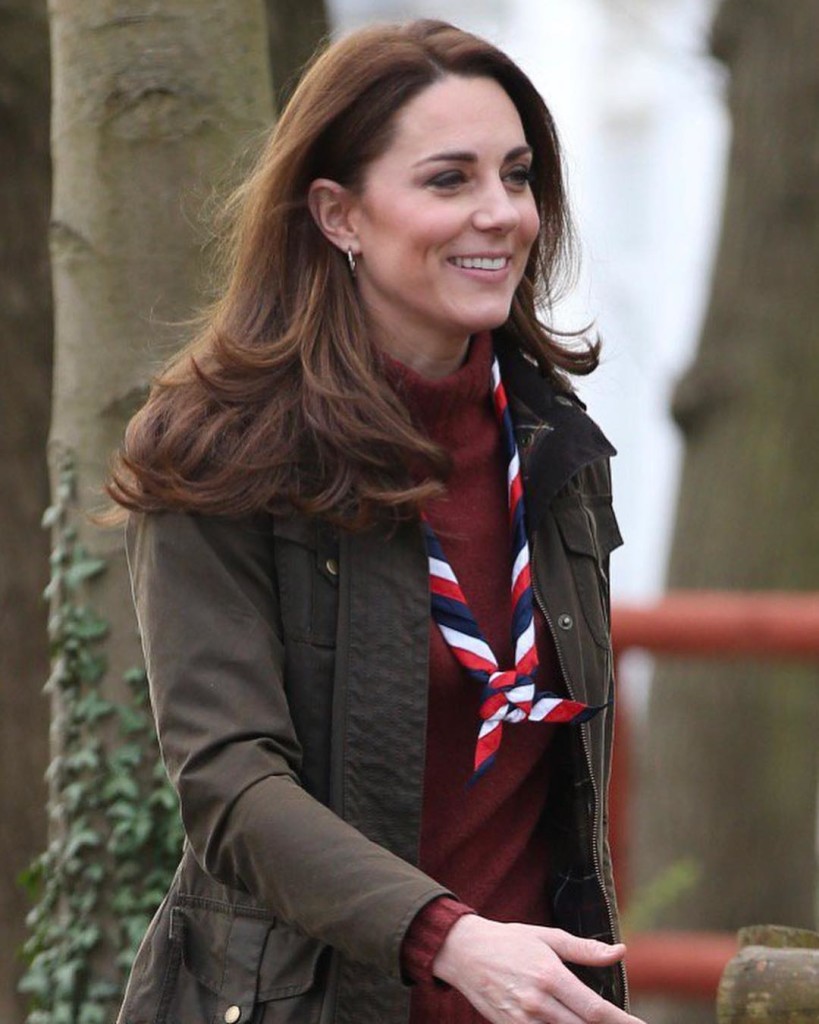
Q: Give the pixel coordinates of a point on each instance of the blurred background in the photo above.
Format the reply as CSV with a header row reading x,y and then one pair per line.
x,y
691,133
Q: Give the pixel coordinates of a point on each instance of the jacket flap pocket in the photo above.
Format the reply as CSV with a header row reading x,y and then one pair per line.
x,y
203,932
608,529
288,964
588,528
243,957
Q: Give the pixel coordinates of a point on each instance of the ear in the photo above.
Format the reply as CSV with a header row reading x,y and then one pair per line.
x,y
333,209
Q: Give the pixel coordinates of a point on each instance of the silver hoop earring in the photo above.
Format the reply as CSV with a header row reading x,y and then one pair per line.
x,y
351,260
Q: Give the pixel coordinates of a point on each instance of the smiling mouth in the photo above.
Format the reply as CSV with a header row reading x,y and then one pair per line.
x,y
481,262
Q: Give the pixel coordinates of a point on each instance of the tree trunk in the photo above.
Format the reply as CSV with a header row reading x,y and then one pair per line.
x,y
774,979
730,769
152,104
25,359
770,986
150,110
295,29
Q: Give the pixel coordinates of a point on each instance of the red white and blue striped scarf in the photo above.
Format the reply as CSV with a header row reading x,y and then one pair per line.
x,y
509,695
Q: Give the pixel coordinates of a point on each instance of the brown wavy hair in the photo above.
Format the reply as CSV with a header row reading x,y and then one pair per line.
x,y
280,401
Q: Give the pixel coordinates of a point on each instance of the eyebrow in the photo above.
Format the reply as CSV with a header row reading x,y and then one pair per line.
x,y
467,157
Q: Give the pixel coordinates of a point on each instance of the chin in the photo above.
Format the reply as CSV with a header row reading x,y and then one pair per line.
x,y
489,322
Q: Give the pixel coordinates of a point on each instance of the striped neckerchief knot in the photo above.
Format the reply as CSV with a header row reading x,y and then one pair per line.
x,y
509,695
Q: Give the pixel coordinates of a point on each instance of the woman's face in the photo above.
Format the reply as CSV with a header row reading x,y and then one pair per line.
x,y
444,222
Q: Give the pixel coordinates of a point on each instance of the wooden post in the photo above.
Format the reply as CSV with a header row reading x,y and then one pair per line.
x,y
774,979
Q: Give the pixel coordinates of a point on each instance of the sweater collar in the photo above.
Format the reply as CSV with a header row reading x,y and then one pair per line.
x,y
439,404
556,437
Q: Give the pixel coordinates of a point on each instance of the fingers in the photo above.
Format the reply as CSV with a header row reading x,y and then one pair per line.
x,y
515,972
585,1004
570,993
577,1008
583,951
552,1011
589,1007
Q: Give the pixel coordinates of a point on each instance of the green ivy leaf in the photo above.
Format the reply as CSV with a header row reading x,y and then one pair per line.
x,y
51,517
164,799
101,989
118,833
84,759
36,980
94,872
129,755
90,667
84,568
89,627
91,708
120,787
65,976
135,678
31,877
132,721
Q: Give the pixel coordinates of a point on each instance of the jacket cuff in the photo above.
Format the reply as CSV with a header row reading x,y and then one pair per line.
x,y
426,935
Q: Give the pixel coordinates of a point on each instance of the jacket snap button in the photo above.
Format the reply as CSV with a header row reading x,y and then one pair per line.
x,y
232,1015
331,565
565,622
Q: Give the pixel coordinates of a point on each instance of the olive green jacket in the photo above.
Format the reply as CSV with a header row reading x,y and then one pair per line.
x,y
288,667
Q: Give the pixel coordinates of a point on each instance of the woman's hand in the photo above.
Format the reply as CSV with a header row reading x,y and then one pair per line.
x,y
514,973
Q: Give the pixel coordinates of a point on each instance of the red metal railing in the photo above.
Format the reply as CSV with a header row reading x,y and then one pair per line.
x,y
724,625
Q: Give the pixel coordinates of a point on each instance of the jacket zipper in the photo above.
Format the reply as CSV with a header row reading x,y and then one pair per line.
x,y
598,871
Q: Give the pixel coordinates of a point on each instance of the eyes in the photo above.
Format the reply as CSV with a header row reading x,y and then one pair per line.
x,y
518,178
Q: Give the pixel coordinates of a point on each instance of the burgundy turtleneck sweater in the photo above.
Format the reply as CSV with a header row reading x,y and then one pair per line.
x,y
485,843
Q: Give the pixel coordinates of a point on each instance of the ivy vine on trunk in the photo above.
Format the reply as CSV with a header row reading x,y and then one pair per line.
x,y
116,830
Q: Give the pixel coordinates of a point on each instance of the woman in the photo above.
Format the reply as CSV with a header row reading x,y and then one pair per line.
x,y
382,806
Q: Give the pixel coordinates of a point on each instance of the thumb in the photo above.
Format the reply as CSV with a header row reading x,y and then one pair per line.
x,y
584,951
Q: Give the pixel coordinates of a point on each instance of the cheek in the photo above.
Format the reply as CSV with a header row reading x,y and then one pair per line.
x,y
409,237
435,231
530,224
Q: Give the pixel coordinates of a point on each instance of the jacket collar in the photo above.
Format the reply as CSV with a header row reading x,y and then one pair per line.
x,y
556,437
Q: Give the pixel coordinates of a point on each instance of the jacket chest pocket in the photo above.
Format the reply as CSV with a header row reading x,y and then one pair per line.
x,y
228,967
306,557
589,531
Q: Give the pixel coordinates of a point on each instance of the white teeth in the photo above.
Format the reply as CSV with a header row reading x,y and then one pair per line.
x,y
480,262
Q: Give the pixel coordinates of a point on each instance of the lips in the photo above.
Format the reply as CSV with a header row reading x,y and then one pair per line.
x,y
481,262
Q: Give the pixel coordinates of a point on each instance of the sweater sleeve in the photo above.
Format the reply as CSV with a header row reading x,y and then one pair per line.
x,y
426,935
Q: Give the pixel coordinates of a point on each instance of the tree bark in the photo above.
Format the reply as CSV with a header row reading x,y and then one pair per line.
x,y
25,367
774,979
770,986
152,104
730,769
295,29
150,109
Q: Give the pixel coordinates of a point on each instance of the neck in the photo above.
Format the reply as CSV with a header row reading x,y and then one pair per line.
x,y
433,358
443,406
432,365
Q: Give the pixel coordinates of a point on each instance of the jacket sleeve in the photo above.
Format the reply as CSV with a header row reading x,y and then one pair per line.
x,y
206,600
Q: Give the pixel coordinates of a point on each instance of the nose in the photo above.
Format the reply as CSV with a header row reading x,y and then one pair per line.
x,y
496,210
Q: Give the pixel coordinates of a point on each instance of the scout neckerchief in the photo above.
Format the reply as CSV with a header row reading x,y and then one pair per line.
x,y
508,695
